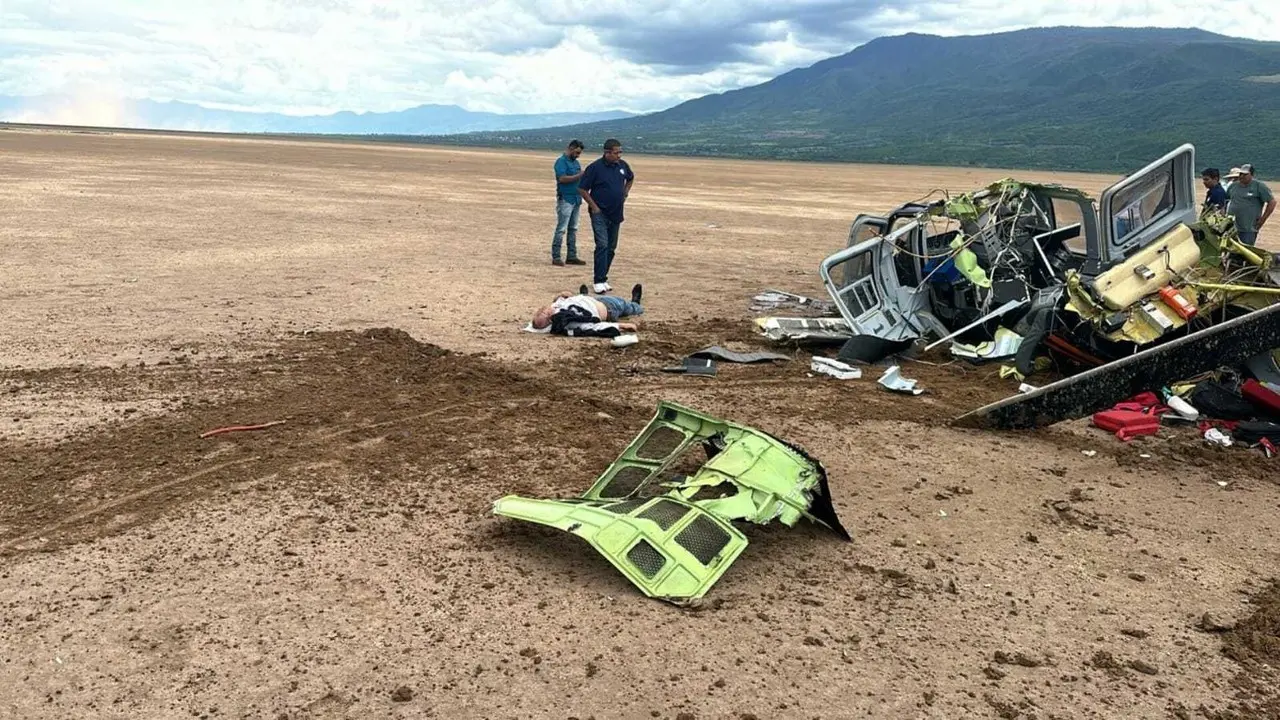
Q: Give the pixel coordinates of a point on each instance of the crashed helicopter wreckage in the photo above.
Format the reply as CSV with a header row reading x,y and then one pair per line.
x,y
662,514
1035,271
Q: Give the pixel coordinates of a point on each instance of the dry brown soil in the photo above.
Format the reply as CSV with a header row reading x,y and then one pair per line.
x,y
345,564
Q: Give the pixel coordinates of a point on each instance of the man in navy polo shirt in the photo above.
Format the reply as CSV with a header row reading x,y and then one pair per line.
x,y
568,202
1215,195
605,185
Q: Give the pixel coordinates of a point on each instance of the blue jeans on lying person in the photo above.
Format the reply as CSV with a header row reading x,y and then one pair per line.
x,y
619,308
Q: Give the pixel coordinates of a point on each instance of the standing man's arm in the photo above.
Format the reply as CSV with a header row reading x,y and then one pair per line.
x,y
1269,206
1266,213
588,177
562,172
631,178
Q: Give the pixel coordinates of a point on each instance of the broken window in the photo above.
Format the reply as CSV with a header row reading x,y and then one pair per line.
x,y
625,481
1066,213
1139,205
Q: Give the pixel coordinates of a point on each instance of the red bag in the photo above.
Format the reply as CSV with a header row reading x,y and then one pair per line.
x,y
1256,393
1146,399
1127,424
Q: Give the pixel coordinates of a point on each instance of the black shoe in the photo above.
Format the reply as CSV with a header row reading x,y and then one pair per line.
x,y
557,262
584,290
575,261
636,293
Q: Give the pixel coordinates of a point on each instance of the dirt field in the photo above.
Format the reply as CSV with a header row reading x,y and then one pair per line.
x,y
345,564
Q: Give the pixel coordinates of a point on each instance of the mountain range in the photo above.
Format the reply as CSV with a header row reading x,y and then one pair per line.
x,y
150,114
1105,99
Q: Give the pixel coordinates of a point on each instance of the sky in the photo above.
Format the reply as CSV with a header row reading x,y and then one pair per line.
x,y
510,56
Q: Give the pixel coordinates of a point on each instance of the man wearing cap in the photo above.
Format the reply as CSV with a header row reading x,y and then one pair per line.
x,y
1231,176
1251,203
1215,195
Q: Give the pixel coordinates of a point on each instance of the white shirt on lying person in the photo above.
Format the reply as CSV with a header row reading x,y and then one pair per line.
x,y
582,316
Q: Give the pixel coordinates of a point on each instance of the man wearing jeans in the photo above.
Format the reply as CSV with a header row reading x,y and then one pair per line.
x,y
1251,203
605,186
568,203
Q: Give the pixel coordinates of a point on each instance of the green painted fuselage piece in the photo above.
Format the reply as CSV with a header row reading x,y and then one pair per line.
x,y
661,512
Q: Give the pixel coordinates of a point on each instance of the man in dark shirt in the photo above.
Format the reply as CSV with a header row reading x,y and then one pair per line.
x,y
604,186
1215,195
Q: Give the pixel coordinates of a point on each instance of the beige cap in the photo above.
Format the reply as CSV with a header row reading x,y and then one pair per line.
x,y
1235,173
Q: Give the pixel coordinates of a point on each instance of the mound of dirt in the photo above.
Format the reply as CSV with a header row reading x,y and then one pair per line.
x,y
416,401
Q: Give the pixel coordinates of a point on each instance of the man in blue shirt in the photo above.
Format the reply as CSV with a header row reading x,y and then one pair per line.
x,y
605,186
568,203
1215,195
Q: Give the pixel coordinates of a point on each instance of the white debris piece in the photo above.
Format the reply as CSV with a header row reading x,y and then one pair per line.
x,y
893,380
624,341
1024,388
781,329
1005,345
835,368
1217,437
1183,408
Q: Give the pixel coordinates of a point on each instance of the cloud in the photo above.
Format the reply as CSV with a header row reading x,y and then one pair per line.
x,y
309,56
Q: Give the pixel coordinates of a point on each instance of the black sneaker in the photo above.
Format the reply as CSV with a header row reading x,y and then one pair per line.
x,y
584,290
557,262
636,293
575,261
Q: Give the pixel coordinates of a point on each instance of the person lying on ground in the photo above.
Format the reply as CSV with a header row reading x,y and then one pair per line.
x,y
582,315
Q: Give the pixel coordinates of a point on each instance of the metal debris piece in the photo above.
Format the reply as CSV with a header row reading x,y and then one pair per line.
x,y
1099,388
662,513
803,331
1265,367
771,300
1084,283
705,367
719,353
1004,346
998,312
893,380
835,368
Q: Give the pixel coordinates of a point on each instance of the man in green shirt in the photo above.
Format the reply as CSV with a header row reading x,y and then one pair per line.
x,y
1251,203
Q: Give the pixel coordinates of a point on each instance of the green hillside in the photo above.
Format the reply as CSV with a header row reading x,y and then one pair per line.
x,y
1103,99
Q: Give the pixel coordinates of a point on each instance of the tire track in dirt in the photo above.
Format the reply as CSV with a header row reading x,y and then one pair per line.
x,y
118,503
